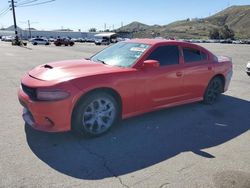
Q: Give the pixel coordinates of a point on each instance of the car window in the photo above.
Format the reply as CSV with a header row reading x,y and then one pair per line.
x,y
121,54
166,55
193,55
204,56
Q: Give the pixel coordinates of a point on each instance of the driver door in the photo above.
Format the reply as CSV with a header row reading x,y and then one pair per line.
x,y
162,85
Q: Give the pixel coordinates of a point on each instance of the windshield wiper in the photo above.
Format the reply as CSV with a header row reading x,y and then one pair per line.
x,y
103,62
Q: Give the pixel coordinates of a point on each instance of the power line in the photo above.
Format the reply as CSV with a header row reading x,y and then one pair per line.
x,y
25,22
25,2
28,5
4,9
4,12
22,1
29,28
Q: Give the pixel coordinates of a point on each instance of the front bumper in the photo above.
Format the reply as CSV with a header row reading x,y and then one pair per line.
x,y
48,116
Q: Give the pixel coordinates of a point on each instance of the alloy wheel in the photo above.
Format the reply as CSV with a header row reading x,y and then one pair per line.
x,y
99,115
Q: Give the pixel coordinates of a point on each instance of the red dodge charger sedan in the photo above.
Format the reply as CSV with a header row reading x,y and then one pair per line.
x,y
124,80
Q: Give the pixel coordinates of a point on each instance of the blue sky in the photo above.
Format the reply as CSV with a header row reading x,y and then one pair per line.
x,y
83,14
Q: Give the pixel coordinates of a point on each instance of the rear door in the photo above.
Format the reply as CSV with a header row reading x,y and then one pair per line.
x,y
197,71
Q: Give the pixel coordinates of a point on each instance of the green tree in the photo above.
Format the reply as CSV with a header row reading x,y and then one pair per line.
x,y
221,33
92,30
226,33
214,33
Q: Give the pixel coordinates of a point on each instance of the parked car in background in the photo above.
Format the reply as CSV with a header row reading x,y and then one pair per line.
x,y
122,39
246,41
64,41
40,41
81,40
126,79
51,39
102,41
248,68
90,39
227,41
73,39
237,42
31,39
7,38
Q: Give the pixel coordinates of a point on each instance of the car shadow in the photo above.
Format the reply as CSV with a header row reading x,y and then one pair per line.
x,y
143,141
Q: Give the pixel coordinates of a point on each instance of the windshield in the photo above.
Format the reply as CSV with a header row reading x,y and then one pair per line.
x,y
122,54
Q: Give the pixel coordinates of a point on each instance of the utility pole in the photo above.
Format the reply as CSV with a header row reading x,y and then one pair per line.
x,y
29,29
14,18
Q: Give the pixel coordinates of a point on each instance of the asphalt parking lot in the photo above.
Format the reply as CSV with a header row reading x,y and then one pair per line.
x,y
188,146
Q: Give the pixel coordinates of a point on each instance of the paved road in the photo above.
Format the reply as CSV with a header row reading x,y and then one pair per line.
x,y
189,146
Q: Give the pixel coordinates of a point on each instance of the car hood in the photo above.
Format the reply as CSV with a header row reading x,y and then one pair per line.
x,y
66,70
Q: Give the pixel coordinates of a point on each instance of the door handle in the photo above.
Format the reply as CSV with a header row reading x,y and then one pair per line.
x,y
209,68
178,74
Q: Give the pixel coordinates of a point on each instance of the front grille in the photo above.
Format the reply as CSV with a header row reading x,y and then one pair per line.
x,y
31,92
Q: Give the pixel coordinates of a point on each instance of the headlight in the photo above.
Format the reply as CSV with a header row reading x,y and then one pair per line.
x,y
51,95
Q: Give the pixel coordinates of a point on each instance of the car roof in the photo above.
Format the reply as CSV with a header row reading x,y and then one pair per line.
x,y
153,42
156,41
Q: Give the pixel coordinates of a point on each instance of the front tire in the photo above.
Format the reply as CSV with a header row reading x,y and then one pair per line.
x,y
214,89
95,114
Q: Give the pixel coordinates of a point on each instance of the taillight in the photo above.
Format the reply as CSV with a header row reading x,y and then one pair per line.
x,y
51,95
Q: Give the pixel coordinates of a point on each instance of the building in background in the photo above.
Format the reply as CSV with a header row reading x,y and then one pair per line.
x,y
26,34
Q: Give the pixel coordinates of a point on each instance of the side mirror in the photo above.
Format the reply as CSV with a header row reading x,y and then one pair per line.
x,y
151,64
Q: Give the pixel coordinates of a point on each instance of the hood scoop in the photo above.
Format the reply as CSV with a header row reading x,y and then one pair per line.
x,y
48,66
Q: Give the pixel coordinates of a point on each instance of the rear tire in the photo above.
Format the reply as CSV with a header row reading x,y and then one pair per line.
x,y
213,91
95,114
248,73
